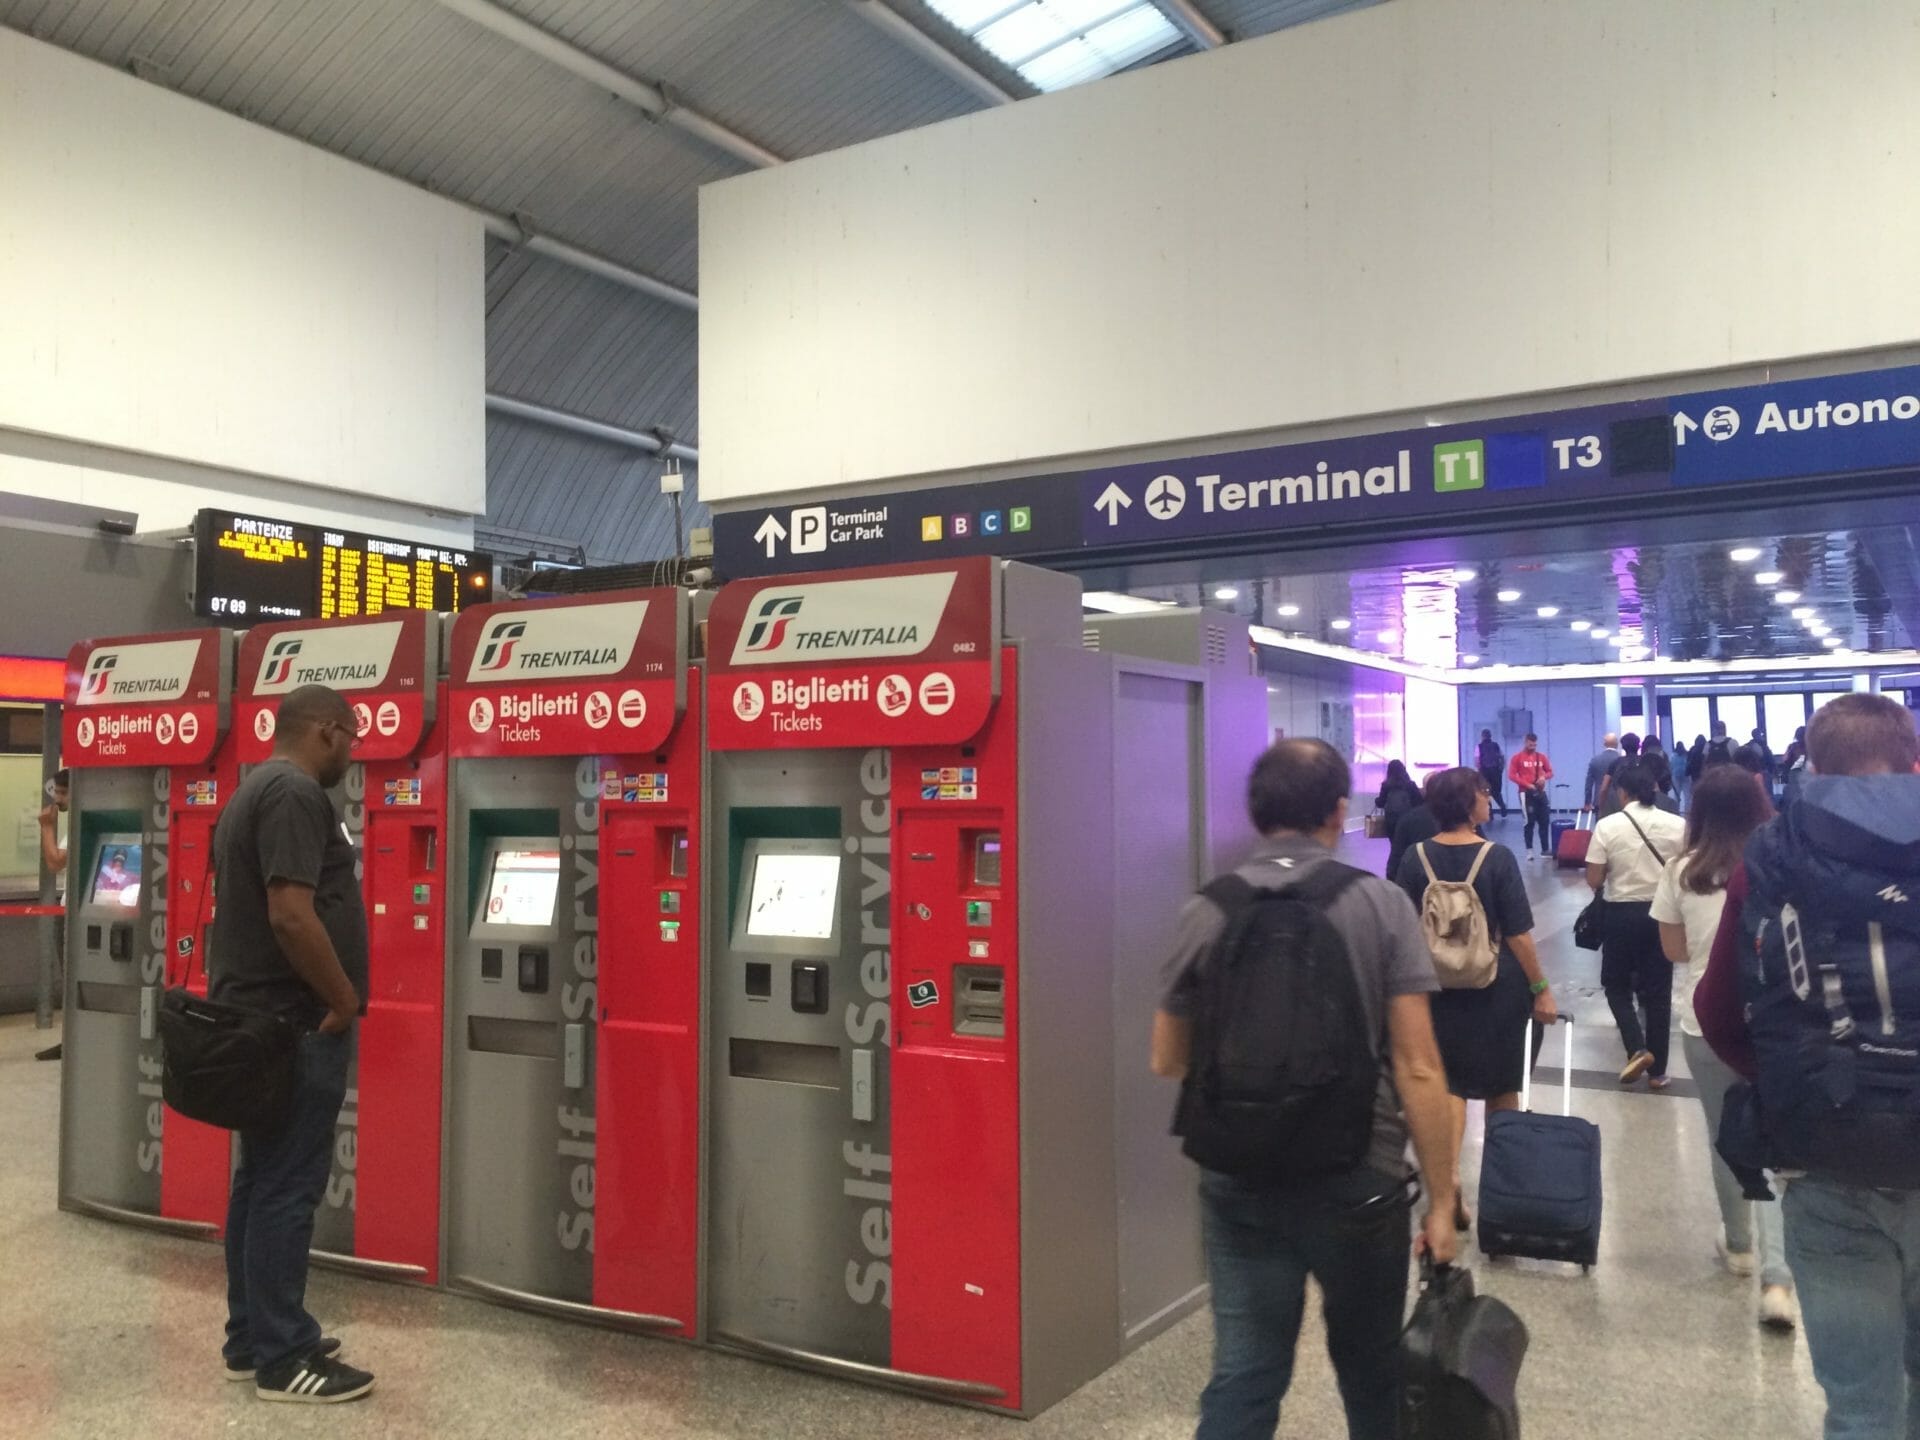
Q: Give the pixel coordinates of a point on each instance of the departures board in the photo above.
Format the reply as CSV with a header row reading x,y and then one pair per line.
x,y
248,568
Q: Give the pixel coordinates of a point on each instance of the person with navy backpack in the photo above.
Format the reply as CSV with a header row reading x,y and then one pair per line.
x,y
1296,1018
1813,993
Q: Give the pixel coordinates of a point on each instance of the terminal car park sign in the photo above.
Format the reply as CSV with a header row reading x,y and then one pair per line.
x,y
1829,426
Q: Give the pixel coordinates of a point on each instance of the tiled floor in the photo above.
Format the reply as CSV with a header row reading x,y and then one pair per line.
x,y
109,1331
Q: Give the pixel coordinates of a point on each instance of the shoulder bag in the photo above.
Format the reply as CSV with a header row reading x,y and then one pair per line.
x,y
220,1064
1590,928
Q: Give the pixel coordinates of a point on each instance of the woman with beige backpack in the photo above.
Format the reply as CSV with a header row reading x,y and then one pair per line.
x,y
1478,923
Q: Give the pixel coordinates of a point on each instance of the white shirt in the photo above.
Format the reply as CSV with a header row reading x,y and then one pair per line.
x,y
1699,915
1633,873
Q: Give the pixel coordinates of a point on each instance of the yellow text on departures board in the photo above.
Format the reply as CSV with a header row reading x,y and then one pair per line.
x,y
267,549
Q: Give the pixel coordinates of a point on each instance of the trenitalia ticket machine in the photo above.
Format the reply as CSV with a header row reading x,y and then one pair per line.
x,y
948,834
381,1210
573,955
142,732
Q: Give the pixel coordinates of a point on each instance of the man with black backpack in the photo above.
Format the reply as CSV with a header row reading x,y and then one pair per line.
x,y
1297,1020
1813,992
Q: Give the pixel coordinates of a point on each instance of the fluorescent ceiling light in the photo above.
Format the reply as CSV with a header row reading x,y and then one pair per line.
x,y
1598,634
1768,577
1288,611
1057,43
1116,604
1465,576
1746,554
1785,597
1618,642
1820,627
1469,659
1341,624
1583,625
1386,637
1226,592
1509,596
1804,612
1547,612
1832,642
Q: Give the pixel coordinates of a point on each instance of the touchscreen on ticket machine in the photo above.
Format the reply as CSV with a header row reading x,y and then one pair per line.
x,y
917,1132
574,963
143,732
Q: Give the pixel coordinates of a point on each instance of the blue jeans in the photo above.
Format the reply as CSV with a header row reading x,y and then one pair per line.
x,y
1856,1255
1261,1246
281,1177
1746,1221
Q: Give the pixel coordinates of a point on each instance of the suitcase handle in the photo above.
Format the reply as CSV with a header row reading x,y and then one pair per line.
x,y
1526,1068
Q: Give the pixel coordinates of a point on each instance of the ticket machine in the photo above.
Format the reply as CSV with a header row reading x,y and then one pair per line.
x,y
573,959
380,1213
143,733
926,1001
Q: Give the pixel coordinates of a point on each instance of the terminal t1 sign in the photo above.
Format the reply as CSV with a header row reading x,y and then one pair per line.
x,y
903,654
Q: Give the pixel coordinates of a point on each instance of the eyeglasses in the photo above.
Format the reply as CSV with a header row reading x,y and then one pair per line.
x,y
347,728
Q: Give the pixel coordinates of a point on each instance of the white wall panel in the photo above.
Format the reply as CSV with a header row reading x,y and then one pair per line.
x,y
1423,203
176,282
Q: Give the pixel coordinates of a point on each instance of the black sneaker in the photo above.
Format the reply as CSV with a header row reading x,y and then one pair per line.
x,y
329,1345
318,1381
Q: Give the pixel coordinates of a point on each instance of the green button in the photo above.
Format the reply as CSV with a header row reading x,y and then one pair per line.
x,y
422,894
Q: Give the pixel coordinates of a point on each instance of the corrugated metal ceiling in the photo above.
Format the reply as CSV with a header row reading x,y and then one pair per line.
x,y
411,88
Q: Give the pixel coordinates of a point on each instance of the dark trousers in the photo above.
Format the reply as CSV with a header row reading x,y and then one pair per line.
x,y
1261,1247
282,1175
1638,979
1539,813
1492,777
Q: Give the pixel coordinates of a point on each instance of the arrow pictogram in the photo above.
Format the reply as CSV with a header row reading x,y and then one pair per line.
x,y
770,534
1113,500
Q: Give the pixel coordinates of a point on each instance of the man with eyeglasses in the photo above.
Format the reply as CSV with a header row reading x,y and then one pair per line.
x,y
290,937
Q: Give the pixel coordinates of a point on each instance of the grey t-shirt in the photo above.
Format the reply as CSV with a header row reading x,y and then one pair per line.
x,y
1382,935
280,825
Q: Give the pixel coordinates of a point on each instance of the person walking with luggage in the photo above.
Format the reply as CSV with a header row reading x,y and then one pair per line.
x,y
1820,945
1628,851
1530,770
290,937
1688,908
1479,1017
1330,1198
1493,769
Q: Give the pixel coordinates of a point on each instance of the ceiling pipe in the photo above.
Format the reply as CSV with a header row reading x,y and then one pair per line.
x,y
553,419
655,100
883,16
516,232
1192,21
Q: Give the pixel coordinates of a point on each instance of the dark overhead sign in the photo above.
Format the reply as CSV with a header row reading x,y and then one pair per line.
x,y
1826,427
249,568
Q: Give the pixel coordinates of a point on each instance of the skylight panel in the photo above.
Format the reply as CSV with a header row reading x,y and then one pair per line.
x,y
1057,43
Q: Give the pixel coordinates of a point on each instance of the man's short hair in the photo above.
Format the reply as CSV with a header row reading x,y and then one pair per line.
x,y
1862,735
1635,780
1452,795
307,707
1297,785
63,776
1533,737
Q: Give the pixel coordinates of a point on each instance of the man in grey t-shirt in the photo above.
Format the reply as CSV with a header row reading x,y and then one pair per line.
x,y
290,938
1349,1231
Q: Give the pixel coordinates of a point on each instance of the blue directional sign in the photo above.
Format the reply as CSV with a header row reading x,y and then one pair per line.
x,y
1834,426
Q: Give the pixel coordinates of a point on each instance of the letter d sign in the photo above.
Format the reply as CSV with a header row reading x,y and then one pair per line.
x,y
810,530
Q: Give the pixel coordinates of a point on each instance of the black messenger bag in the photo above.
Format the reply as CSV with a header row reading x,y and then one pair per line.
x,y
223,1064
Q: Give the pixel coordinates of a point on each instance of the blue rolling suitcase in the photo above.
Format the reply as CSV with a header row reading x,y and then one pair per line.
x,y
1540,1179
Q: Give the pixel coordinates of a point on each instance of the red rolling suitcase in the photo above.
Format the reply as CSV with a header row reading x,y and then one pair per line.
x,y
1570,843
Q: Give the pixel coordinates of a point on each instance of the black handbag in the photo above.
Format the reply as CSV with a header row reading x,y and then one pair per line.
x,y
1460,1360
222,1064
1590,925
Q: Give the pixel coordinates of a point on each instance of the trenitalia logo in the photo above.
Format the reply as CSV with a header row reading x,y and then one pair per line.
x,y
146,672
99,671
771,617
343,657
564,642
502,635
280,661
888,615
